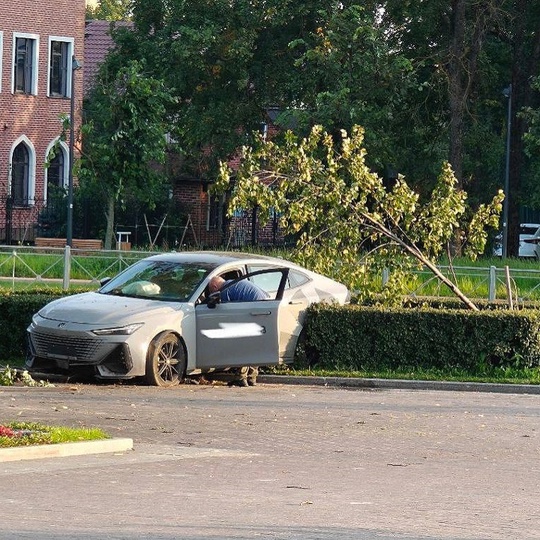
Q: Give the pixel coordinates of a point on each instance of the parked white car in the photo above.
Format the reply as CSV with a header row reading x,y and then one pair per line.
x,y
157,319
527,231
534,243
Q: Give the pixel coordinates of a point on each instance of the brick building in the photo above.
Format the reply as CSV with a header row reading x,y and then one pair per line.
x,y
38,42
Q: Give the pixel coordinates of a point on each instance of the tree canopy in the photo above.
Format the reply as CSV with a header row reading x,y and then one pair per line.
x,y
124,139
425,80
110,10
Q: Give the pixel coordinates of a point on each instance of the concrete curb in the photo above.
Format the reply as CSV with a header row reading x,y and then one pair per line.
x,y
388,384
42,451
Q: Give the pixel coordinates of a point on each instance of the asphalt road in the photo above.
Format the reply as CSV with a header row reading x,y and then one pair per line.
x,y
279,462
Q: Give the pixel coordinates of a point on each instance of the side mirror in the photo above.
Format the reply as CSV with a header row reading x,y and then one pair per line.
x,y
214,299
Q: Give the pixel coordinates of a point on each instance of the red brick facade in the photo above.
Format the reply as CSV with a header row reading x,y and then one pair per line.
x,y
37,42
209,224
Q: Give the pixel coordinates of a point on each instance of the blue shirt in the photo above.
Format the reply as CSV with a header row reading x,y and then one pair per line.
x,y
242,291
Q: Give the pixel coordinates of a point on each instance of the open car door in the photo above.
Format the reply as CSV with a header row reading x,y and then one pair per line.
x,y
241,333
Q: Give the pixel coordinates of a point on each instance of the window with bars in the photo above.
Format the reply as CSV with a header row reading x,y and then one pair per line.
x,y
214,220
20,175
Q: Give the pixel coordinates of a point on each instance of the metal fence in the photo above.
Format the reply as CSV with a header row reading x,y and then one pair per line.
x,y
513,285
24,267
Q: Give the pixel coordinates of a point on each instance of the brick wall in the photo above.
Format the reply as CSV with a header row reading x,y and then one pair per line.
x,y
235,232
35,118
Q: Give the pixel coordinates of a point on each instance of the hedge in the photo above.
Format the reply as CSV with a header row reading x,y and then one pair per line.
x,y
16,311
366,338
361,338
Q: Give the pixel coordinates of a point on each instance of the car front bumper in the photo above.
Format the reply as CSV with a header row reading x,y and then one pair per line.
x,y
61,350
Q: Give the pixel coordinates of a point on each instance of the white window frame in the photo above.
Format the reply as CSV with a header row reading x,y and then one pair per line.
x,y
69,67
35,61
1,57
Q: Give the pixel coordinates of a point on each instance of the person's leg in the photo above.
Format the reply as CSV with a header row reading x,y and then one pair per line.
x,y
241,377
252,373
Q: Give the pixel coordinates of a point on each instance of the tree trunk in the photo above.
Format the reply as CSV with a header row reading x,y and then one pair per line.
x,y
416,253
109,216
457,94
467,39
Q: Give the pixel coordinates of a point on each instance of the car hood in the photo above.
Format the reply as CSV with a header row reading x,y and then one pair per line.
x,y
103,309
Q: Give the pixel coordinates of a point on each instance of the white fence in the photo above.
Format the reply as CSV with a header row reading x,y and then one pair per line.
x,y
489,282
23,267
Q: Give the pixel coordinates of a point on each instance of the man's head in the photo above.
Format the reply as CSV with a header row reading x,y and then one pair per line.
x,y
215,284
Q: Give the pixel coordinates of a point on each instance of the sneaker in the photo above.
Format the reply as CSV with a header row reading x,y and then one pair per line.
x,y
252,382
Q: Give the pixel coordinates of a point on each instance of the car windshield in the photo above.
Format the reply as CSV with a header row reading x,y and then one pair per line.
x,y
159,280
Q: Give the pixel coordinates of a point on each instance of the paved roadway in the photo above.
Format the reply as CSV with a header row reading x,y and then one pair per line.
x,y
279,462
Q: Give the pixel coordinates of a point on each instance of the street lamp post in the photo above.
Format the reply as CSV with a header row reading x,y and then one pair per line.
x,y
506,203
75,65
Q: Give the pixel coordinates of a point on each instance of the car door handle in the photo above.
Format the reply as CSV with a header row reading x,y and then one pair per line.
x,y
259,313
293,303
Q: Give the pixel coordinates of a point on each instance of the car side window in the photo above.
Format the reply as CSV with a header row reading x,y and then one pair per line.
x,y
270,282
296,279
267,282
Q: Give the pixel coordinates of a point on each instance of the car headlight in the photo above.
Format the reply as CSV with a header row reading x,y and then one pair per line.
x,y
118,331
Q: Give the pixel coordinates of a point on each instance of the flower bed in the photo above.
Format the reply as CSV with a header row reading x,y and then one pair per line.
x,y
30,433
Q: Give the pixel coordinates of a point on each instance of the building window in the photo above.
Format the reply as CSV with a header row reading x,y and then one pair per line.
x,y
20,175
25,65
58,66
1,56
55,173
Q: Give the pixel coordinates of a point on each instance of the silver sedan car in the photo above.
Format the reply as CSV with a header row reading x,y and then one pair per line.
x,y
159,319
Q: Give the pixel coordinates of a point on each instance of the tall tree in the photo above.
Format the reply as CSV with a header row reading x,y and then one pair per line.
x,y
228,62
525,40
351,71
424,78
124,139
110,10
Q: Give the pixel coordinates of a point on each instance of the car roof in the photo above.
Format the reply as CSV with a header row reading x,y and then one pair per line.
x,y
218,257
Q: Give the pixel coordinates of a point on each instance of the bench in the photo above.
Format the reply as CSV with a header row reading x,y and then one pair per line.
x,y
89,244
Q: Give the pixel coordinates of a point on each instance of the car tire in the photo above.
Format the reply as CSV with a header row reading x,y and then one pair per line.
x,y
166,362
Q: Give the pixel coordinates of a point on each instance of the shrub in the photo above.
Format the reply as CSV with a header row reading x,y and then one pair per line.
x,y
368,338
16,311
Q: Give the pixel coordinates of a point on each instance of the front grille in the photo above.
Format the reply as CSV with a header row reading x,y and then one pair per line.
x,y
74,348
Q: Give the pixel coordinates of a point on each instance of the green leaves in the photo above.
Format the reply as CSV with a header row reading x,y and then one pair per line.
x,y
125,137
343,216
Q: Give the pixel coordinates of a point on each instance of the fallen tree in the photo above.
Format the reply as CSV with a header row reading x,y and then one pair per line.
x,y
345,219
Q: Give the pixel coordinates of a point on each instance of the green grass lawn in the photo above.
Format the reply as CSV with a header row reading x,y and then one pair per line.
x,y
26,269
30,433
